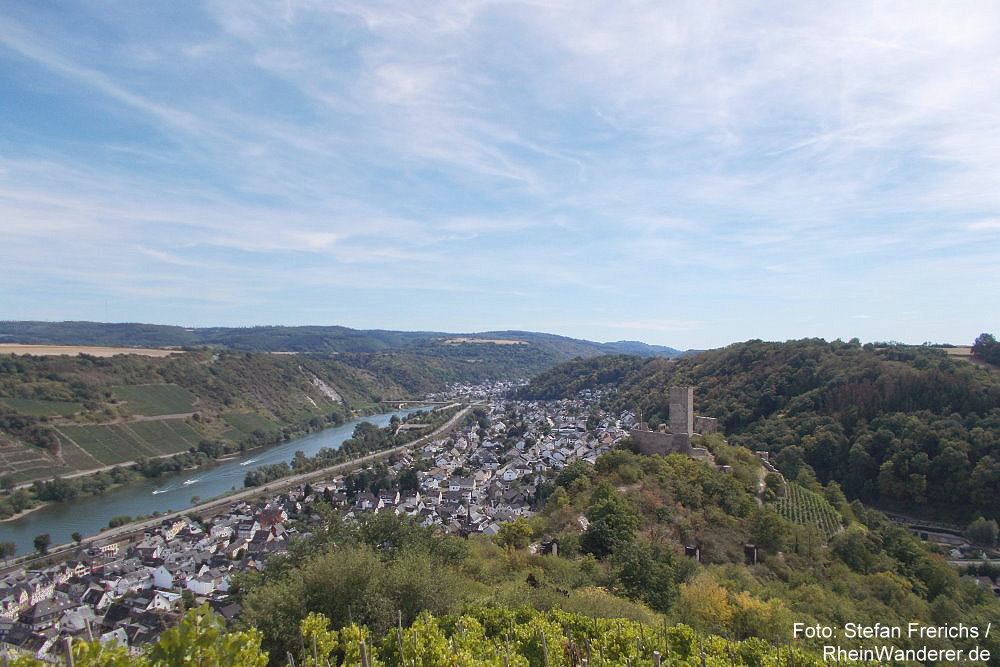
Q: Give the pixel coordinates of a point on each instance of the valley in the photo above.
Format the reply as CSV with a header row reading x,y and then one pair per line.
x,y
556,501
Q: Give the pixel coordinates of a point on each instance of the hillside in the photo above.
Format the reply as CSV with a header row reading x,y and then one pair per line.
x,y
384,571
542,348
61,414
897,426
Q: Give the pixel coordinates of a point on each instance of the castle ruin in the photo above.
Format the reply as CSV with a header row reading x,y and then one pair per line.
x,y
683,426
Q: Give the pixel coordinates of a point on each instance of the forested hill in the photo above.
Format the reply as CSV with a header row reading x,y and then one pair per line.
x,y
529,351
903,427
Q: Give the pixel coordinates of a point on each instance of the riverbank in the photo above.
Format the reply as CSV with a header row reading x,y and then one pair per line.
x,y
24,512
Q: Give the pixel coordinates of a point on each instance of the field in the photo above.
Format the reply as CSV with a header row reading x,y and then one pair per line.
x,y
75,350
36,408
128,441
248,422
804,506
155,399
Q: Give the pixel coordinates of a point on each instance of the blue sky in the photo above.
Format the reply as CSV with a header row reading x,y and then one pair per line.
x,y
689,174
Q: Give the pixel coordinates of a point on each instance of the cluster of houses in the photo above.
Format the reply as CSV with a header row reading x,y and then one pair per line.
x,y
128,592
478,477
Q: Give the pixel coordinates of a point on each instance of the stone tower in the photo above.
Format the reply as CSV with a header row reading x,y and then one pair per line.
x,y
682,411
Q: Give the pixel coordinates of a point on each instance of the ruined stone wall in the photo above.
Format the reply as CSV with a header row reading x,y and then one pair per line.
x,y
655,442
706,425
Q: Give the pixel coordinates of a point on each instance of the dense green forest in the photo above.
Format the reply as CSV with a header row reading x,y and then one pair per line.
x,y
903,427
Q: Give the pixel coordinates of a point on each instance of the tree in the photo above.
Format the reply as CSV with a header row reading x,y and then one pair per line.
x,y
704,604
213,448
408,480
790,461
753,617
515,534
20,500
983,532
647,572
768,529
572,471
986,348
856,549
949,476
7,549
77,537
984,483
42,543
612,522
775,483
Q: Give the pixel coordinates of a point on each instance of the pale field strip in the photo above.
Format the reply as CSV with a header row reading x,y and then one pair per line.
x,y
495,341
76,350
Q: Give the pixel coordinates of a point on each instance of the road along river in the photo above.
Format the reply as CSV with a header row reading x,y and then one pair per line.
x,y
169,492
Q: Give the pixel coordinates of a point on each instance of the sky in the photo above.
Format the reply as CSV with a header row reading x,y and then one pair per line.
x,y
689,174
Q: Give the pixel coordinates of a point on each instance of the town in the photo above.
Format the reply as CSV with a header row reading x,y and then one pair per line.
x,y
484,473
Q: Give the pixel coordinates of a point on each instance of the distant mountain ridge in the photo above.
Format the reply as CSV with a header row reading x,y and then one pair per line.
x,y
643,349
318,339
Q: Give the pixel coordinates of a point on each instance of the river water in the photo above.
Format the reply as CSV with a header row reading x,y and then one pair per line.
x,y
173,492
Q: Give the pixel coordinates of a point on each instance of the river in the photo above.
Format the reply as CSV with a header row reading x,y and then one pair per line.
x,y
170,492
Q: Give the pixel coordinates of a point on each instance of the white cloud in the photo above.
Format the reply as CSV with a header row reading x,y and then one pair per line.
x,y
989,225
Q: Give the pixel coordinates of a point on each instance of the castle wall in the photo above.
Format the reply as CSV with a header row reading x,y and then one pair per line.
x,y
655,442
706,425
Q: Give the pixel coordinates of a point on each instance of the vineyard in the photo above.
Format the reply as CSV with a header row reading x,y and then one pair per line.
x,y
244,424
497,637
38,408
801,505
155,399
128,441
